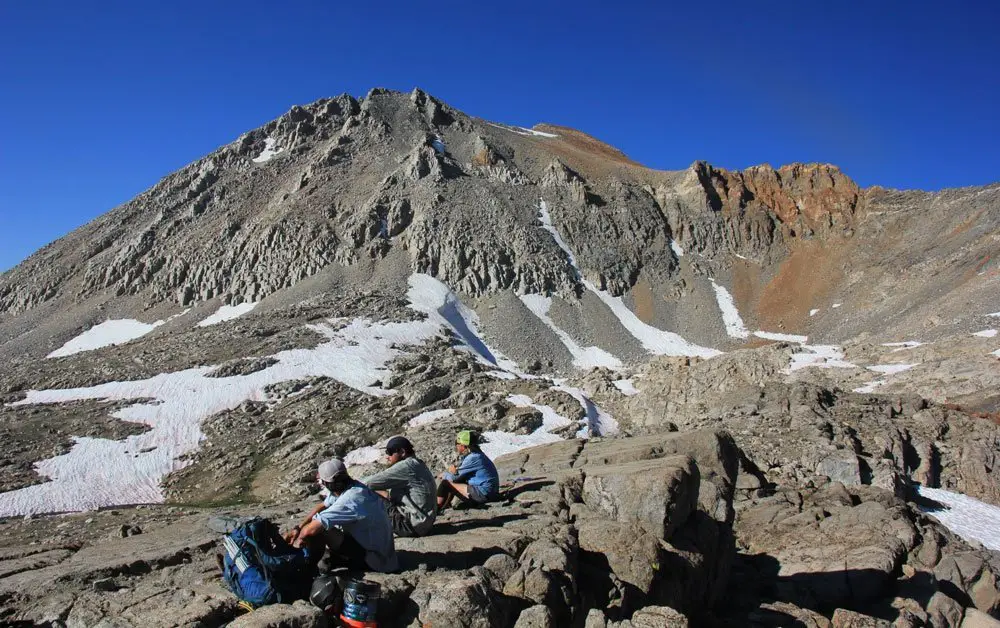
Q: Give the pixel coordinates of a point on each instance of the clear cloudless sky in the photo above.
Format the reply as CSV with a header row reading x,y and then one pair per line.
x,y
99,100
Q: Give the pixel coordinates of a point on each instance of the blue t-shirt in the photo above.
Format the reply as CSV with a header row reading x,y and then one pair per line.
x,y
479,471
360,512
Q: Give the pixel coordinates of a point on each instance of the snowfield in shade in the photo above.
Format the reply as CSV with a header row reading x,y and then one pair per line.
x,y
430,296
108,333
227,313
986,333
653,339
583,357
966,516
598,422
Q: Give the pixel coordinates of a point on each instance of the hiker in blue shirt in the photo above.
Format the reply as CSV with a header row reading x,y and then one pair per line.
x,y
351,522
475,480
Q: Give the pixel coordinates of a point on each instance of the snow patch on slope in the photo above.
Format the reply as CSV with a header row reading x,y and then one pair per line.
x,y
820,356
99,472
500,443
583,357
366,455
269,151
109,333
769,335
676,248
730,315
986,333
430,296
426,418
626,387
227,313
891,369
966,516
598,422
654,340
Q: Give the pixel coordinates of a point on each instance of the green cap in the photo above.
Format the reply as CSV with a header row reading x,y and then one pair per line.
x,y
464,438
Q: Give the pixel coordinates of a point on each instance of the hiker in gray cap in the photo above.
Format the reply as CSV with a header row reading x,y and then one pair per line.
x,y
351,522
408,487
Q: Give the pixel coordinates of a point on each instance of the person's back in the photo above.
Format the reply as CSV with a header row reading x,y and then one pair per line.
x,y
412,488
359,511
485,479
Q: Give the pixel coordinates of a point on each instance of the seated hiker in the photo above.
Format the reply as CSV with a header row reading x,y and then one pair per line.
x,y
475,480
351,522
409,488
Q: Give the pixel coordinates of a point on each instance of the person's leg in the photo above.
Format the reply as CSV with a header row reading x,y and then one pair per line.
x,y
345,551
400,522
448,490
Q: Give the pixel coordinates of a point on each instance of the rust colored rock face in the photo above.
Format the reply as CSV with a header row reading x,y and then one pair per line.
x,y
815,195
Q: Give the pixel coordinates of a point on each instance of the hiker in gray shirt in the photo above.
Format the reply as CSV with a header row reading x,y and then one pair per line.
x,y
408,487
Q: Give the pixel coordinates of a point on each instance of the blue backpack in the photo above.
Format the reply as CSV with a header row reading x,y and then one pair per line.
x,y
260,567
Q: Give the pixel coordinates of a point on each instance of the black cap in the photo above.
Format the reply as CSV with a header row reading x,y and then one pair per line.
x,y
398,443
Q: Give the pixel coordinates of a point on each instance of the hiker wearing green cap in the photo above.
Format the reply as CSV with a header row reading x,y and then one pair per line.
x,y
475,480
408,488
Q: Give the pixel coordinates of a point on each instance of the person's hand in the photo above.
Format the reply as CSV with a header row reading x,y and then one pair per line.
x,y
292,535
452,469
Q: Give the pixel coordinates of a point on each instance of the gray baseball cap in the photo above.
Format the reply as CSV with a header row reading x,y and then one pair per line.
x,y
331,469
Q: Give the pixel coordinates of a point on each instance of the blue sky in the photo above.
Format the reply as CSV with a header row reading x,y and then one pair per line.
x,y
100,100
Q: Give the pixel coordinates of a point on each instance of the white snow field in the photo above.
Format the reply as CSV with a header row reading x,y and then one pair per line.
x,y
819,356
426,418
106,334
598,422
626,387
870,387
366,455
885,369
269,151
891,369
583,357
966,516
813,312
770,335
99,472
676,248
986,333
730,315
520,130
227,313
994,314
654,340
430,296
500,443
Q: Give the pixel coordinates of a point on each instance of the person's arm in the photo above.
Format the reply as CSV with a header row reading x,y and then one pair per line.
x,y
468,468
297,530
340,512
388,479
